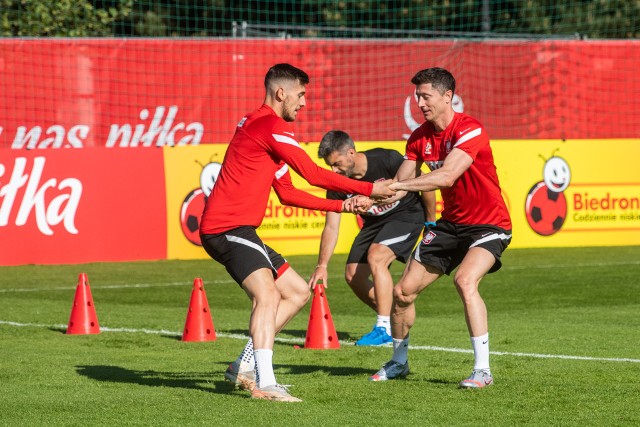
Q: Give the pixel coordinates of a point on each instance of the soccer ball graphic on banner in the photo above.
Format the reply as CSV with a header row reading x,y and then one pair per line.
x,y
546,210
193,204
190,213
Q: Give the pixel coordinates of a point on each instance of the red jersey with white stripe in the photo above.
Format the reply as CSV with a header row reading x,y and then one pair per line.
x,y
256,160
475,198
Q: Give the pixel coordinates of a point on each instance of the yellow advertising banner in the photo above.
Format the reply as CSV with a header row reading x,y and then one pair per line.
x,y
189,174
559,193
571,193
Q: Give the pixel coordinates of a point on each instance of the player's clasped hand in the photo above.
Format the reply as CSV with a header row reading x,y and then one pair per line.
x,y
358,204
348,205
381,190
362,204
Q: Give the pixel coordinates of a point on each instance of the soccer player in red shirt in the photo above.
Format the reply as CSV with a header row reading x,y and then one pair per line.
x,y
475,227
258,159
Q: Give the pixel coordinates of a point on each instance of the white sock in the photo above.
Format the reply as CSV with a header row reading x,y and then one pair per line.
x,y
264,367
481,352
246,359
401,350
384,322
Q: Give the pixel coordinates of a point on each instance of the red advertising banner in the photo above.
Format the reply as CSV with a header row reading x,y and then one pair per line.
x,y
100,204
75,206
158,92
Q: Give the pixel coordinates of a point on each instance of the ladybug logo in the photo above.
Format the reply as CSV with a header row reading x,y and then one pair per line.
x,y
546,205
193,204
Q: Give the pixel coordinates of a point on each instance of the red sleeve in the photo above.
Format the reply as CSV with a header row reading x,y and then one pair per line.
x,y
413,149
288,149
290,195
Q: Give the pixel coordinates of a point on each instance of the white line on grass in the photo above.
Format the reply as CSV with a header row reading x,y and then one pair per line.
x,y
132,286
301,342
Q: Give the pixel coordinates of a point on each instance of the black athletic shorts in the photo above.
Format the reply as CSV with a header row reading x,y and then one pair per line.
x,y
445,245
242,252
399,236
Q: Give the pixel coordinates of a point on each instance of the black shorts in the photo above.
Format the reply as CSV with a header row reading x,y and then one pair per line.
x,y
242,252
398,236
445,245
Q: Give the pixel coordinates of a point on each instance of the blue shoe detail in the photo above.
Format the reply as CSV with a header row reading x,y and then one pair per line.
x,y
378,336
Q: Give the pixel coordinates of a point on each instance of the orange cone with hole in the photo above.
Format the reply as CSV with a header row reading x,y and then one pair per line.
x,y
321,333
199,325
83,319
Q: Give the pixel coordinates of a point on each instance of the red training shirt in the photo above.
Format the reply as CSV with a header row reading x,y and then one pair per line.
x,y
475,198
255,161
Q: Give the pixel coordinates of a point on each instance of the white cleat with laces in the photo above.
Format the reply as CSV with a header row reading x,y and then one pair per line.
x,y
478,379
390,371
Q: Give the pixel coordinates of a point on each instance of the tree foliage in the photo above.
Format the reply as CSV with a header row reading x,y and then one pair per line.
x,y
60,18
321,18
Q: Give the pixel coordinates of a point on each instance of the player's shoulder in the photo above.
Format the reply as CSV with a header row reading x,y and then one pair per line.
x,y
419,133
383,155
465,119
465,124
381,152
263,116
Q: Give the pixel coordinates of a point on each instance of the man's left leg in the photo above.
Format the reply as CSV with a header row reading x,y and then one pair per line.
x,y
475,265
414,280
294,294
379,258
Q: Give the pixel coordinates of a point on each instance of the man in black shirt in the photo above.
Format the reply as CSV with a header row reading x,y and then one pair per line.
x,y
389,231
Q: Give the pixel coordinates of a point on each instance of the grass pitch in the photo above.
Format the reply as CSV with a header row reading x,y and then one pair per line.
x,y
565,342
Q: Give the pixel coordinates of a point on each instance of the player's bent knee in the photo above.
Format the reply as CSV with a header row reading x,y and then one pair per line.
x,y
299,295
401,298
467,287
348,277
269,297
465,283
303,298
380,258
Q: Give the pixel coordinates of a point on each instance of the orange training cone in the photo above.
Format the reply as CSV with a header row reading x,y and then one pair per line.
x,y
83,318
199,325
321,334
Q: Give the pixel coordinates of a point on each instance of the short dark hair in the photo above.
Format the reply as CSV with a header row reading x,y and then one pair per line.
x,y
334,140
441,79
285,72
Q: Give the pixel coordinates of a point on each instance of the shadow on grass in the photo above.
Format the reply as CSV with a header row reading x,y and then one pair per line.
x,y
441,381
343,336
298,333
117,374
200,382
334,371
337,371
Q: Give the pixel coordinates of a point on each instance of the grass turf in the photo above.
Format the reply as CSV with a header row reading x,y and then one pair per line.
x,y
564,328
